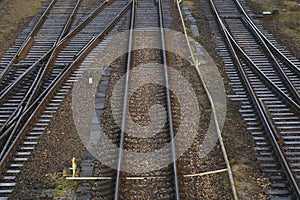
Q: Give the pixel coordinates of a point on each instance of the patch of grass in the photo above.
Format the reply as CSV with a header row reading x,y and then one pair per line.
x,y
291,5
284,25
7,29
16,14
292,33
64,187
26,8
190,4
268,5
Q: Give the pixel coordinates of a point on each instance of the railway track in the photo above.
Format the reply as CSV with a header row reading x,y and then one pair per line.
x,y
163,183
32,78
265,78
166,182
40,70
125,176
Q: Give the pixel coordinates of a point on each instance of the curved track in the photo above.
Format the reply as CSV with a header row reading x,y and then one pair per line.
x,y
41,68
30,80
267,82
167,182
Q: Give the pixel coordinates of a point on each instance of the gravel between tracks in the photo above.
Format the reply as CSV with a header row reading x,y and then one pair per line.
x,y
54,151
42,173
249,179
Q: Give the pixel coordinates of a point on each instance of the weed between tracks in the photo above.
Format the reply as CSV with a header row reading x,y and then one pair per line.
x,y
42,173
62,188
285,25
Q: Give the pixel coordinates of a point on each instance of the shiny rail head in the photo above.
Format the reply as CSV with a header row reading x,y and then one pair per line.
x,y
83,99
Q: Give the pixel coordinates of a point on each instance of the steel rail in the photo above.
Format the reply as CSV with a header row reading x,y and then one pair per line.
x,y
262,39
271,131
69,22
84,49
66,27
44,99
10,122
13,120
262,111
125,101
290,87
214,112
259,107
15,83
34,88
169,108
84,22
63,41
264,78
283,58
51,58
29,111
27,40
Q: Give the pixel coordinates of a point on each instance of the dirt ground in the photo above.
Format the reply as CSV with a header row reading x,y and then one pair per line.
x,y
13,21
285,25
